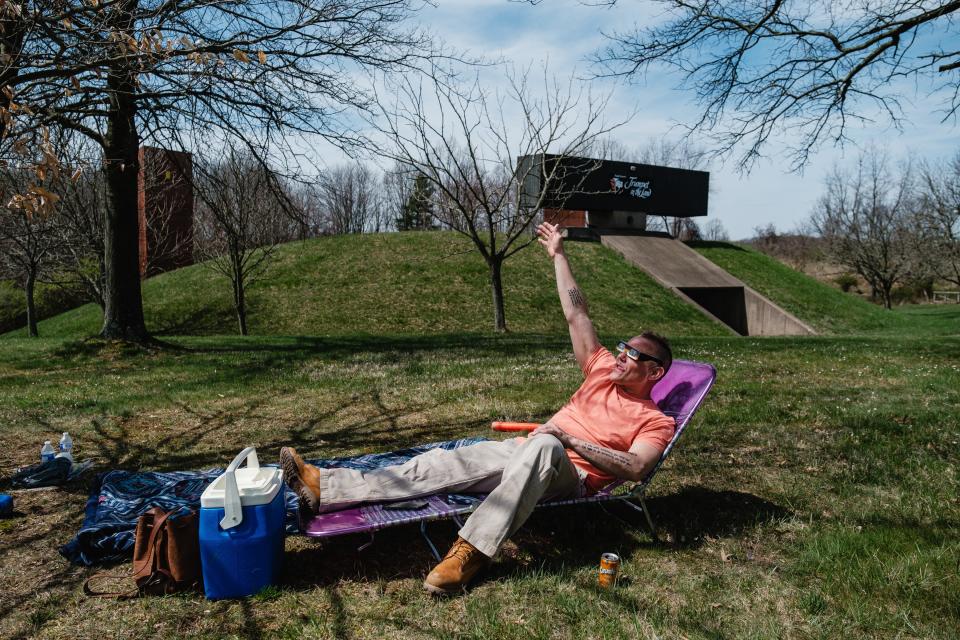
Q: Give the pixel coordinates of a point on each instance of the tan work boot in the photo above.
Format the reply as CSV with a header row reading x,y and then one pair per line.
x,y
457,568
302,478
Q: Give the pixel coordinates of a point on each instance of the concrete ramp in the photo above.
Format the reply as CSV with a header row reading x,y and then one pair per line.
x,y
703,284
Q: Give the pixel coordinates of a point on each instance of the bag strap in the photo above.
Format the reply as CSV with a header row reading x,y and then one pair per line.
x,y
160,517
160,529
149,564
119,595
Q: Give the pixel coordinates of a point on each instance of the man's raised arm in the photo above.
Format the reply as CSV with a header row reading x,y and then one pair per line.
x,y
582,334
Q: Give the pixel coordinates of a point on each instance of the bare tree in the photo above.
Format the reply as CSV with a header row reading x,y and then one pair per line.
x,y
27,243
307,217
864,218
81,214
685,229
807,69
124,71
464,143
939,218
766,239
715,231
240,209
350,199
683,155
83,207
797,248
398,188
664,152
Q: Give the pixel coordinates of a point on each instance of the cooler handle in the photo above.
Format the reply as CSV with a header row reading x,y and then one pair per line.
x,y
232,509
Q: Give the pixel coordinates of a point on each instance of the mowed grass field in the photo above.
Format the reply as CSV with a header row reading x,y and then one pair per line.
x,y
398,283
814,495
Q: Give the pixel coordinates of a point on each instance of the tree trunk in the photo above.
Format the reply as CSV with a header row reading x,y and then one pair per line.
x,y
887,298
239,301
31,308
101,279
239,297
496,285
123,305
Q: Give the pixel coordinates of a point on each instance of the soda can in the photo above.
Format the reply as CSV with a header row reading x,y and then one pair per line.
x,y
609,569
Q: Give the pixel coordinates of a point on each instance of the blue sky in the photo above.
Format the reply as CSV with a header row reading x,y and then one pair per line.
x,y
565,33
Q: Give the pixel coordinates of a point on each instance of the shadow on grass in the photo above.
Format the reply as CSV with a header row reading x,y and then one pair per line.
x,y
384,430
57,587
95,346
228,361
206,320
552,541
694,513
330,345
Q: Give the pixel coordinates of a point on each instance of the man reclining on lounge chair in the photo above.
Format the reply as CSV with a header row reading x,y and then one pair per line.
x,y
609,429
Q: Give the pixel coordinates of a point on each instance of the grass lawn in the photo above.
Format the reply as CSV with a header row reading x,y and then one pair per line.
x,y
827,309
814,496
409,283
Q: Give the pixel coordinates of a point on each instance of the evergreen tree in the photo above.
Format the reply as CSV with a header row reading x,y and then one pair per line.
x,y
418,212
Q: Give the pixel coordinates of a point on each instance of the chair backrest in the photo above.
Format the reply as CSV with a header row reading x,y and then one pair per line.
x,y
678,395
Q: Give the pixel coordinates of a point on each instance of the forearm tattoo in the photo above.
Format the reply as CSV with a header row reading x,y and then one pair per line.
x,y
614,456
576,297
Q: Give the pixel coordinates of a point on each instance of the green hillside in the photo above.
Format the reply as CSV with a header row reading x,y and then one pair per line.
x,y
826,309
401,284
49,300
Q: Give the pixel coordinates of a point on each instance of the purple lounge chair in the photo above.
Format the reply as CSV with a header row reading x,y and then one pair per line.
x,y
678,395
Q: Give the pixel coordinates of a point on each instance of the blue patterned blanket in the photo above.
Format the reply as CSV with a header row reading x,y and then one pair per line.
x,y
120,497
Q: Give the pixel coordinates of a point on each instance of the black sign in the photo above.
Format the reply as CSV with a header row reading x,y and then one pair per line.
x,y
564,182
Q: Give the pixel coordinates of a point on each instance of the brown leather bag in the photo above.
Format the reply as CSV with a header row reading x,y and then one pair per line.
x,y
166,556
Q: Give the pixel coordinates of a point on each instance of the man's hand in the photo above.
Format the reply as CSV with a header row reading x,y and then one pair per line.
x,y
551,429
627,465
551,238
633,465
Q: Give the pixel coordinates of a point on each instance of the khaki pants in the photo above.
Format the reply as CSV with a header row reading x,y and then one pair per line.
x,y
516,475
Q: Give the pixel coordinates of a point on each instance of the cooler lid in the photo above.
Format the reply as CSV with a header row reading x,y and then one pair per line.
x,y
255,485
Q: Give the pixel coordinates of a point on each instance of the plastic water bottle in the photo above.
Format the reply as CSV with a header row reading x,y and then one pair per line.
x,y
47,453
66,447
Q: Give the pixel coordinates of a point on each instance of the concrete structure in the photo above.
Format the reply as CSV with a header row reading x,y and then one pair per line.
x,y
165,203
709,288
604,194
610,201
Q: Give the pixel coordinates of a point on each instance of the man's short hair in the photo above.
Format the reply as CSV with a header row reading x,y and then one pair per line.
x,y
661,348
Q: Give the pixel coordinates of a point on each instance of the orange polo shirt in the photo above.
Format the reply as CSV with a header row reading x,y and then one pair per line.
x,y
604,414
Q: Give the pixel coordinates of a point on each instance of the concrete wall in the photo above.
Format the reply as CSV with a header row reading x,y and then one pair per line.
x,y
764,318
726,304
712,290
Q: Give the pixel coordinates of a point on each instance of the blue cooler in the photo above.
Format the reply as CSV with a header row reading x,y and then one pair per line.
x,y
241,529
